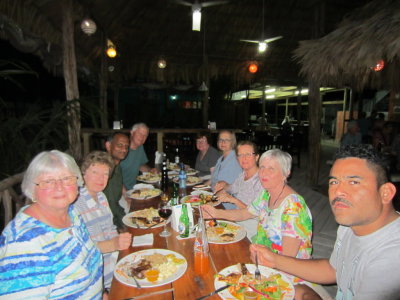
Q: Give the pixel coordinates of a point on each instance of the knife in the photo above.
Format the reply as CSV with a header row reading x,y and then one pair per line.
x,y
213,293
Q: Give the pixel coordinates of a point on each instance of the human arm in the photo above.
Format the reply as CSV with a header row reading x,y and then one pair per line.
x,y
220,185
314,270
226,197
145,168
231,214
120,242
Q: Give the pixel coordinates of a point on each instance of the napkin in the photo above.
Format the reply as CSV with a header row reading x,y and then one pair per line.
x,y
143,240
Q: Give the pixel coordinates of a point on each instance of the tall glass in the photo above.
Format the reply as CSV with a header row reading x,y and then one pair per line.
x,y
165,210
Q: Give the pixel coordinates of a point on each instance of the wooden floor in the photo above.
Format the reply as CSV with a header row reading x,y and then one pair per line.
x,y
324,224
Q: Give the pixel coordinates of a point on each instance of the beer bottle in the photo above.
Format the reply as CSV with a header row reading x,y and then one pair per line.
x,y
164,176
184,222
182,181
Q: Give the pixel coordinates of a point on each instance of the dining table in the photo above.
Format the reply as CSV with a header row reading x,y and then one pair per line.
x,y
190,285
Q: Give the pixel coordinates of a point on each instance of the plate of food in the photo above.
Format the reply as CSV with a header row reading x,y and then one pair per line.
x,y
272,285
224,232
149,177
173,167
143,193
150,267
144,218
190,180
200,199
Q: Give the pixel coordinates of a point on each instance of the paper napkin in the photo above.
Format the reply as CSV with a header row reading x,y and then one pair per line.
x,y
143,240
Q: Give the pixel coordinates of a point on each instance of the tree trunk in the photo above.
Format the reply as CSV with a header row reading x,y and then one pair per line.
x,y
71,82
314,134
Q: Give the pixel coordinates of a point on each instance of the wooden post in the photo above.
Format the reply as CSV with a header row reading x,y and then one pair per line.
x,y
71,81
314,135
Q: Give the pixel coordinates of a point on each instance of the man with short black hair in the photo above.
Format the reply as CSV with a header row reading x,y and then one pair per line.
x,y
365,263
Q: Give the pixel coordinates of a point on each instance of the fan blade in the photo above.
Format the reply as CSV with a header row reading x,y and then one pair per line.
x,y
273,39
212,3
250,41
183,2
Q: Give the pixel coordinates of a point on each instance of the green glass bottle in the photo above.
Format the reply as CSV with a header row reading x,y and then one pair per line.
x,y
184,222
175,196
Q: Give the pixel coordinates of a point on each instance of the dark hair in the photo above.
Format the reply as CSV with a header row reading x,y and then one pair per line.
x,y
111,136
205,134
248,143
375,160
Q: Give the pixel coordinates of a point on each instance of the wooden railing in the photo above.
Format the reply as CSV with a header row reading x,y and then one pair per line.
x,y
11,198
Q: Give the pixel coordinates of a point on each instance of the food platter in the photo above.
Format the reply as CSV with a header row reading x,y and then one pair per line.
x,y
149,214
143,193
225,232
199,199
278,281
170,265
190,180
149,177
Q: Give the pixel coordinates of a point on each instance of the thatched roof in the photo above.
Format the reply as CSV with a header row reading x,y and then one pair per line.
x,y
145,30
345,56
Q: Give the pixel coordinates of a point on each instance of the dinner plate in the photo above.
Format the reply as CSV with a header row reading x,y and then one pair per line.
x,y
122,268
187,199
190,180
240,234
154,193
128,222
265,271
149,178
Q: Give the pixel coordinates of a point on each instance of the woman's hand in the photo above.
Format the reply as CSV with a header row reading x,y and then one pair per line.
x,y
123,241
225,197
209,211
220,185
265,256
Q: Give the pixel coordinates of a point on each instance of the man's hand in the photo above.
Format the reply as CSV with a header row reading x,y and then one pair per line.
x,y
123,241
265,256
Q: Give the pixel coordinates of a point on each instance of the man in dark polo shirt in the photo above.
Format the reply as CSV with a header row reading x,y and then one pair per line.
x,y
117,146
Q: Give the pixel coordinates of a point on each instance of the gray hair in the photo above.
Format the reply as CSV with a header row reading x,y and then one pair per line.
x,y
48,162
97,157
283,158
233,137
140,125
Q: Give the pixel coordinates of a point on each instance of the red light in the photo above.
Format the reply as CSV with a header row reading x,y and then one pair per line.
x,y
253,68
380,64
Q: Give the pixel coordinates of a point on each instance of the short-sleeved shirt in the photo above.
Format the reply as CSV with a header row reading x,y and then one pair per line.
x,y
292,219
41,262
367,267
113,192
209,160
131,164
98,218
227,169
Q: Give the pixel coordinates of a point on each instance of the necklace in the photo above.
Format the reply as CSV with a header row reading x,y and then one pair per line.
x,y
273,204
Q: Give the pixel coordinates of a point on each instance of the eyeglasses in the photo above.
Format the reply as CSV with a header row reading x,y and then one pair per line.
x,y
224,140
51,183
245,155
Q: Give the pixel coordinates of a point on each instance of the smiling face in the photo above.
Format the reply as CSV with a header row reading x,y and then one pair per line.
x,y
96,178
202,144
225,142
246,157
139,136
118,147
59,197
354,194
270,173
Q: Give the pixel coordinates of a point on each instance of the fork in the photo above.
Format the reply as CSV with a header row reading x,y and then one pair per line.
x,y
257,274
137,282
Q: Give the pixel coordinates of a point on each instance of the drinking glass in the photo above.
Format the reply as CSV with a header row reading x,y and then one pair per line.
x,y
164,197
165,210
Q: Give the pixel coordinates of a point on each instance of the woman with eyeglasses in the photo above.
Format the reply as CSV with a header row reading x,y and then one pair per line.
x,y
46,251
93,206
227,168
207,156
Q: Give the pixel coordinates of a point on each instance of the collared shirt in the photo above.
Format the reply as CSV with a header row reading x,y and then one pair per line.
x,y
227,169
131,164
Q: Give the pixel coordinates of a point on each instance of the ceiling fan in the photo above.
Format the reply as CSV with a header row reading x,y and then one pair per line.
x,y
196,10
263,43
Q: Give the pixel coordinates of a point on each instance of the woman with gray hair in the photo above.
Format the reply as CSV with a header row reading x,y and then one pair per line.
x,y
46,251
284,220
93,206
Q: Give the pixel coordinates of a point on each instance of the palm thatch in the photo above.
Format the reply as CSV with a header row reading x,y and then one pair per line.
x,y
347,55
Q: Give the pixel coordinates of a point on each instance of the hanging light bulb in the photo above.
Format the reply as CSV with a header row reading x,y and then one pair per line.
x,y
253,68
88,26
262,46
196,19
111,50
162,64
380,64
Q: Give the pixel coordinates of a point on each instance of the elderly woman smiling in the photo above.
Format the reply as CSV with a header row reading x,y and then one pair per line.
x,y
284,220
46,251
93,206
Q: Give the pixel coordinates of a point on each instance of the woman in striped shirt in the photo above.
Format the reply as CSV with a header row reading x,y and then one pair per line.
x,y
46,251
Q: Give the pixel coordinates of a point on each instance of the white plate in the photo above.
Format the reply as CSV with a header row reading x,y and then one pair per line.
x,y
240,234
202,187
127,221
198,192
194,180
225,294
149,178
195,204
133,257
157,192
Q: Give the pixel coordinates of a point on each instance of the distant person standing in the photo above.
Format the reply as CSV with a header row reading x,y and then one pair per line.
x,y
353,135
207,156
136,160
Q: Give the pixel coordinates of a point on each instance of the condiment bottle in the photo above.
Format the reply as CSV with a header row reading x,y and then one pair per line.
x,y
182,181
184,226
177,156
164,176
201,250
175,194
